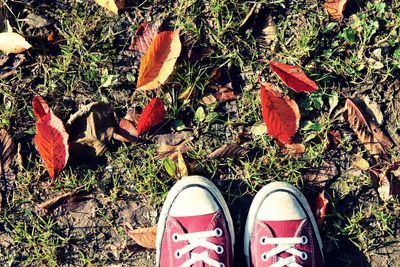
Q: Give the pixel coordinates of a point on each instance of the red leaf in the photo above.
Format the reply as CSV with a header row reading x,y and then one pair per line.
x,y
320,208
125,132
281,114
336,8
40,107
144,36
293,77
51,141
152,115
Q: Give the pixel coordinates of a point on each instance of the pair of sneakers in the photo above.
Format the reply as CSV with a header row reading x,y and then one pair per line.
x,y
195,228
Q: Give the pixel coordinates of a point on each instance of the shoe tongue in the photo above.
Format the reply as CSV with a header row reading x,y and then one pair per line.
x,y
197,223
284,229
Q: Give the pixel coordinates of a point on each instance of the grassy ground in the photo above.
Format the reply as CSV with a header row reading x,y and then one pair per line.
x,y
359,56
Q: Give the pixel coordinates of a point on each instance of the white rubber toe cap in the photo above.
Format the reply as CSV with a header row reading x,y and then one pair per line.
x,y
280,206
193,201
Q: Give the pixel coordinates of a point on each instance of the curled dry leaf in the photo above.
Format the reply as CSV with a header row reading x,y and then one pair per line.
x,y
91,129
388,179
125,131
293,77
7,151
144,36
144,237
280,113
368,132
153,114
170,144
159,60
321,175
51,140
320,208
112,5
11,42
228,150
40,107
336,8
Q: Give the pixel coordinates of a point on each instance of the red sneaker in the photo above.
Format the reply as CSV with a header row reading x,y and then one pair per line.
x,y
281,230
195,227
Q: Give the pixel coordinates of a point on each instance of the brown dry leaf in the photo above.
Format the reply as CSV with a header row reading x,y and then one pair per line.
x,y
373,109
367,130
112,5
45,207
269,31
181,169
170,144
7,151
388,179
11,42
321,175
293,150
126,132
224,93
228,150
144,237
91,129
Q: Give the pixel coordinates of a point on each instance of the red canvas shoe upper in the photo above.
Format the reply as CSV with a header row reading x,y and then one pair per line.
x,y
195,227
198,241
296,243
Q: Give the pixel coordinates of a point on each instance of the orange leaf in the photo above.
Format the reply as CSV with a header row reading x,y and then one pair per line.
x,y
152,115
159,60
281,114
293,77
336,8
125,131
40,107
51,141
320,207
144,36
145,237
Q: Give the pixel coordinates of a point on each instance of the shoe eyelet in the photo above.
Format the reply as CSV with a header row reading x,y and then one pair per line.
x,y
263,240
303,256
218,231
175,237
304,240
177,254
220,250
221,265
264,257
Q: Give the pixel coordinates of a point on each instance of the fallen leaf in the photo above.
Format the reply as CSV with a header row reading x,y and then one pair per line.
x,y
388,179
10,64
7,151
293,150
144,36
368,132
112,5
293,77
281,114
170,144
320,208
45,207
40,107
187,93
11,42
144,237
159,60
334,137
181,169
228,150
152,115
269,31
91,129
223,93
37,21
321,175
125,131
51,140
336,8
373,109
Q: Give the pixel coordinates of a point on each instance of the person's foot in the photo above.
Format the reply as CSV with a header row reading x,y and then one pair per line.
x,y
281,230
195,227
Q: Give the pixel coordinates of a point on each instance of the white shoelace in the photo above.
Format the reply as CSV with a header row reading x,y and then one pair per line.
x,y
284,244
198,239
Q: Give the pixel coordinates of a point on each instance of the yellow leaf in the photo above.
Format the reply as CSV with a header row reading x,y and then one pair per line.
x,y
11,42
112,5
181,168
159,60
144,237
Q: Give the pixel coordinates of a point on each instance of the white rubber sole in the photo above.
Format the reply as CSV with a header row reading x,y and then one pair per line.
x,y
173,193
258,200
